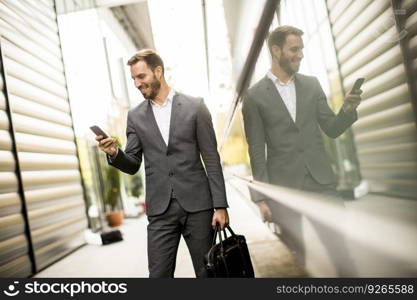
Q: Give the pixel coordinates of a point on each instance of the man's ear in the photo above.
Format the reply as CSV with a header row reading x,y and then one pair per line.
x,y
158,72
275,51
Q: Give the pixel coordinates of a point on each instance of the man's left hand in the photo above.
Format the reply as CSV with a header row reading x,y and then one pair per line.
x,y
220,216
352,101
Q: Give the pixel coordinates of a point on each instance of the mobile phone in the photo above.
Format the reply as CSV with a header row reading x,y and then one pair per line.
x,y
357,85
98,131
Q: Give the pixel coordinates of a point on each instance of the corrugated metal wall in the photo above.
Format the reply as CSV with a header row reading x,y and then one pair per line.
x,y
44,139
367,45
14,257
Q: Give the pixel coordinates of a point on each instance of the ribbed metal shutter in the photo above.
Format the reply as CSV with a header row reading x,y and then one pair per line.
x,y
44,137
366,41
14,258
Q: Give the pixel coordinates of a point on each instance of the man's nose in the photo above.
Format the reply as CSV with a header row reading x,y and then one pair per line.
x,y
300,55
138,83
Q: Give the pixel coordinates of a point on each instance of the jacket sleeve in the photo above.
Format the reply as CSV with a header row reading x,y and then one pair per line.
x,y
255,137
207,144
129,160
331,124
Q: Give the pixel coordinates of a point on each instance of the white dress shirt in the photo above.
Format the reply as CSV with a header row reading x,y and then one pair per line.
x,y
287,93
162,115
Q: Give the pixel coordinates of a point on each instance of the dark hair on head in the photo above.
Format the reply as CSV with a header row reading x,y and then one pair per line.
x,y
279,35
149,56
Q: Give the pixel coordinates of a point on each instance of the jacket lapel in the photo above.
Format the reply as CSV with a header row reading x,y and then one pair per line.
x,y
301,96
276,99
175,110
153,128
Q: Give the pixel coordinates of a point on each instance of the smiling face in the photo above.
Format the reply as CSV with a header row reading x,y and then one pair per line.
x,y
147,81
290,55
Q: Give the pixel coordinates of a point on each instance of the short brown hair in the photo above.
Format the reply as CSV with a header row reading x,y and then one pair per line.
x,y
149,56
279,35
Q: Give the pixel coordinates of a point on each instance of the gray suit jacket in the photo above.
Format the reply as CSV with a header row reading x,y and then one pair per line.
x,y
177,166
292,147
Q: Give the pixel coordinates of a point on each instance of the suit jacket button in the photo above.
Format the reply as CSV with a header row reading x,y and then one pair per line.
x,y
171,174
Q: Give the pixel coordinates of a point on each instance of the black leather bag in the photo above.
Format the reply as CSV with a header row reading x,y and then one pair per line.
x,y
230,257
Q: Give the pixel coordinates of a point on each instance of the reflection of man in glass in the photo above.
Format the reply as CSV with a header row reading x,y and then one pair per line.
x,y
284,111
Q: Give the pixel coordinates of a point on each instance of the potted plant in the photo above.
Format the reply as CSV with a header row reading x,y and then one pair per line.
x,y
136,185
134,188
112,196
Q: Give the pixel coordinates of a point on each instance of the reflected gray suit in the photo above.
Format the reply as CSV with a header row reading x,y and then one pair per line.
x,y
295,156
294,149
176,167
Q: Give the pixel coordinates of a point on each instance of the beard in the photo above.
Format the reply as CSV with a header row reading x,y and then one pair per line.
x,y
287,65
155,86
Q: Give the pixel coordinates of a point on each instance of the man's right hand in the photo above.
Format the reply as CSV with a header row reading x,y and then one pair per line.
x,y
265,211
107,145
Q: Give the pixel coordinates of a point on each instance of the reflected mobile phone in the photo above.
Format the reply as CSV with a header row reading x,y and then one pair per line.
x,y
98,131
357,85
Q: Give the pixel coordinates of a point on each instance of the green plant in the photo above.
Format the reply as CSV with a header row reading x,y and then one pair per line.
x,y
133,184
112,185
136,185
112,193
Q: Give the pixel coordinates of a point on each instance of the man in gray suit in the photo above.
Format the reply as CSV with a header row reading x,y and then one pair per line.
x,y
284,111
172,130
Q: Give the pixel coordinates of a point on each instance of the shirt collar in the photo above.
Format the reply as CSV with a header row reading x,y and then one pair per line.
x,y
169,99
275,79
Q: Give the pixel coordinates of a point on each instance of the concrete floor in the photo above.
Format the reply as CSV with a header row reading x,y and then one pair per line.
x,y
270,257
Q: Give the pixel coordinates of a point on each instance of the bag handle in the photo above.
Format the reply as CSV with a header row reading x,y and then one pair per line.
x,y
230,229
218,231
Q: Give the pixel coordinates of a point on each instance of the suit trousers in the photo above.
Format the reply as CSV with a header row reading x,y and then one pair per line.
x,y
164,233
